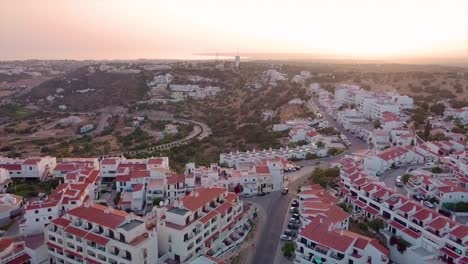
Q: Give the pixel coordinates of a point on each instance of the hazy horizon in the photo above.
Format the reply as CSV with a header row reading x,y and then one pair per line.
x,y
128,30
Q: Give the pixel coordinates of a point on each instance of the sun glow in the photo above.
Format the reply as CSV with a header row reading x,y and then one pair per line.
x,y
153,29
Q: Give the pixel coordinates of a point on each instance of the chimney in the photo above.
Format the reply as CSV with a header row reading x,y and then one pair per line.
x,y
321,220
341,232
196,194
330,227
181,204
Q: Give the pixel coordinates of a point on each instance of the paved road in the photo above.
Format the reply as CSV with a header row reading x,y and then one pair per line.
x,y
273,208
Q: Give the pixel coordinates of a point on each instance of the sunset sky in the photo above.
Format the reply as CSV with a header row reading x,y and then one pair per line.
x,y
132,29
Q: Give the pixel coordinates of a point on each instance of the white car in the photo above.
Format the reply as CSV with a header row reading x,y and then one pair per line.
x,y
428,204
247,195
285,237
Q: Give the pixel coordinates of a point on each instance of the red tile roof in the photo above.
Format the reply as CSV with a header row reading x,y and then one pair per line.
x,y
137,187
96,214
411,233
201,197
61,222
422,215
361,243
392,153
76,231
379,247
320,233
109,161
460,232
5,243
224,207
449,252
206,218
23,258
96,238
440,222
11,167
262,169
175,178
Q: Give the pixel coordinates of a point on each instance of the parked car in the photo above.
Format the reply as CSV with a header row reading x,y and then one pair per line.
x,y
417,197
442,211
290,233
295,203
296,216
261,194
285,237
428,204
293,226
409,170
294,221
291,210
398,181
285,191
247,195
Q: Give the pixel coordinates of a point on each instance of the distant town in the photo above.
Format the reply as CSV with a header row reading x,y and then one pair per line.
x,y
232,161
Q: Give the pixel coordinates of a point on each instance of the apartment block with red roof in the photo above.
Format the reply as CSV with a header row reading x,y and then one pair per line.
x,y
94,233
31,168
320,242
324,237
203,222
384,160
38,213
21,250
431,235
67,165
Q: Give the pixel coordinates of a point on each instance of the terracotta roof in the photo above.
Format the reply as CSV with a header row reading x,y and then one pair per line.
x,y
137,187
224,207
96,238
109,161
460,232
139,174
76,231
449,252
201,197
440,222
23,258
422,214
262,169
318,232
96,214
11,167
175,178
204,219
61,221
379,247
361,243
5,243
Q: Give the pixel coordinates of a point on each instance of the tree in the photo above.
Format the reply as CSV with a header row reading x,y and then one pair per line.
x,y
437,109
377,124
288,249
436,170
320,144
310,156
427,130
346,207
376,224
156,201
406,178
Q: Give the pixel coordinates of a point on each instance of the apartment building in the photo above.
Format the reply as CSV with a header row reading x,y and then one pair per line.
x,y
324,237
457,113
69,195
382,161
94,234
113,166
430,235
379,107
67,165
320,242
10,206
23,250
206,221
5,180
31,168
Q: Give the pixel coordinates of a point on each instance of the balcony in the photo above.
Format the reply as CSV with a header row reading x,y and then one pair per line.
x,y
321,250
337,256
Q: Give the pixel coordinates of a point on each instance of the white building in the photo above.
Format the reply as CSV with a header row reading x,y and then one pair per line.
x,y
94,233
204,222
38,168
10,206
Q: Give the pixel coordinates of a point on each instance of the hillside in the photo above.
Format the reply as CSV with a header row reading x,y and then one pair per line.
x,y
85,91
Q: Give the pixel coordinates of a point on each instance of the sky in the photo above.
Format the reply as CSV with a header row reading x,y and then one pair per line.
x,y
153,29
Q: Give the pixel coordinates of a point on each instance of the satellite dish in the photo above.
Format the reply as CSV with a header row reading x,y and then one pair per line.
x,y
161,203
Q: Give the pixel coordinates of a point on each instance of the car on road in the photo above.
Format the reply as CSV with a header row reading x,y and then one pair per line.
x,y
285,237
285,191
428,204
295,203
442,211
293,226
417,197
409,170
398,181
290,233
247,195
293,209
294,221
261,194
296,216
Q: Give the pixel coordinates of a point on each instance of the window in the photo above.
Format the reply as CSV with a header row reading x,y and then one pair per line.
x,y
37,219
49,210
50,217
36,211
